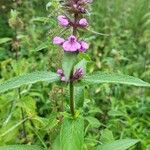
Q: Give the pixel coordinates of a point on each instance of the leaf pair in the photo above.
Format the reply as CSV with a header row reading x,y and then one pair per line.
x,y
96,78
72,138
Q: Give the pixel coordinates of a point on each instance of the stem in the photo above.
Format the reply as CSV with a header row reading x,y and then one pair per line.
x,y
71,84
23,117
23,125
37,134
75,27
72,98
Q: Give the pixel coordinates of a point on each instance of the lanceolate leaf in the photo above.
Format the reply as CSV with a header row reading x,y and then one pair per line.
x,y
68,63
99,77
72,134
28,79
118,145
106,136
56,143
21,147
4,40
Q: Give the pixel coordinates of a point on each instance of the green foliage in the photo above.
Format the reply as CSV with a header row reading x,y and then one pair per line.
x,y
118,145
28,79
21,147
4,40
99,77
93,122
72,134
106,136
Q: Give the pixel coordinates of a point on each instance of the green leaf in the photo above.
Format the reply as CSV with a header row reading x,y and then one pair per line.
x,y
40,19
28,79
42,46
106,136
94,122
4,40
100,77
72,134
56,144
118,145
28,104
68,63
21,147
85,56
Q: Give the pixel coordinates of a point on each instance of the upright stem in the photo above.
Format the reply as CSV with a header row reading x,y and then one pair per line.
x,y
72,98
23,125
23,117
71,84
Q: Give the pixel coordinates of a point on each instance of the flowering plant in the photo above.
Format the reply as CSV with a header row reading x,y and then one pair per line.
x,y
73,75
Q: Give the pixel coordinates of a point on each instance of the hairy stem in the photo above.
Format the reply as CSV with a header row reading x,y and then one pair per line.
x,y
23,117
23,125
71,84
72,98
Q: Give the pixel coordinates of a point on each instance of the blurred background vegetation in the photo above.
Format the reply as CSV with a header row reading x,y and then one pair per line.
x,y
26,32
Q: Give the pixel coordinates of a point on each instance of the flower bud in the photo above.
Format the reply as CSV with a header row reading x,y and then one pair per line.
x,y
58,40
61,74
83,23
63,21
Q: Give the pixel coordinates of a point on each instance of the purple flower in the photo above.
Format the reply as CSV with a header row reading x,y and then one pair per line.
x,y
81,9
78,74
63,78
83,22
71,45
61,74
58,40
84,46
63,20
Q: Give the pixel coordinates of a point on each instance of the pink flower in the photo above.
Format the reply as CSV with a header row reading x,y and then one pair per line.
x,y
71,45
63,20
83,22
84,46
61,74
63,79
58,40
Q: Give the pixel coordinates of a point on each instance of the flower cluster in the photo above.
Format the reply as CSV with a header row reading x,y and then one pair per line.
x,y
72,44
76,9
77,74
